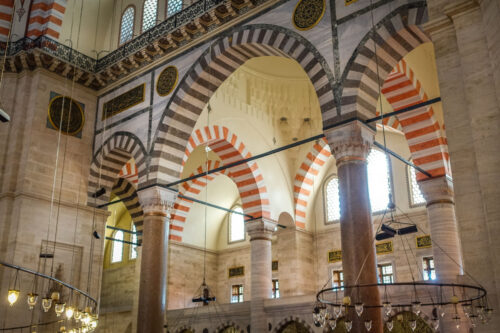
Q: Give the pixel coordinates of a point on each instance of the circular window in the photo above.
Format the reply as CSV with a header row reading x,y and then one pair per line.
x,y
167,81
71,113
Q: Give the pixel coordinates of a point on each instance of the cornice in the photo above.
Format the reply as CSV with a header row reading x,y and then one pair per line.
x,y
172,37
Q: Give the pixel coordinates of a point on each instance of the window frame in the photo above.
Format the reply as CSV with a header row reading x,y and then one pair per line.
x,y
391,179
241,296
275,294
111,261
424,273
142,16
229,226
132,246
166,9
121,23
341,280
409,187
325,197
380,273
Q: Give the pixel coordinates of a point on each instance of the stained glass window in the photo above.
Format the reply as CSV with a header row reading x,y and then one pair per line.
x,y
416,196
173,6
149,13
332,200
117,248
428,268
236,226
237,293
338,278
385,273
379,180
127,25
133,239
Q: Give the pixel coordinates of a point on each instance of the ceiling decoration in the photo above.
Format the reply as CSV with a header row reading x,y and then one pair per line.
x,y
308,13
167,80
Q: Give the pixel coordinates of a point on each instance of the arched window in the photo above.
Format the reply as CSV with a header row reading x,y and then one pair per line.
x,y
127,25
379,180
416,196
117,248
133,239
173,6
236,225
149,13
332,200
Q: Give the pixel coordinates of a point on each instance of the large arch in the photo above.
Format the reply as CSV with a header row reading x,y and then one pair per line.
x,y
247,176
395,35
109,160
126,191
215,65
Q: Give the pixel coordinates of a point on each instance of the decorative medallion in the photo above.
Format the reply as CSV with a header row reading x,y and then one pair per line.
x,y
167,80
384,247
71,113
423,241
236,271
124,101
308,13
334,256
349,2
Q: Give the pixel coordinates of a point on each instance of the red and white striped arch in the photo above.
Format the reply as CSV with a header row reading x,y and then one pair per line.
x,y
247,176
428,146
191,188
304,179
6,12
130,172
46,17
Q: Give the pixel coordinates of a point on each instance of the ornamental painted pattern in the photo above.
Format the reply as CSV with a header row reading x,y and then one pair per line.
x,y
71,112
423,242
334,256
167,80
308,13
236,271
384,247
124,101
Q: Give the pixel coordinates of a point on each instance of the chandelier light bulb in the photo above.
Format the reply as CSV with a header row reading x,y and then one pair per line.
x,y
86,318
78,315
390,325
416,307
336,311
348,325
387,308
59,308
413,325
55,296
46,304
32,299
333,324
12,296
368,325
69,312
435,323
359,309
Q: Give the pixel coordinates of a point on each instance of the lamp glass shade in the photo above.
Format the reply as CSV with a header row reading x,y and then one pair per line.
x,y
12,296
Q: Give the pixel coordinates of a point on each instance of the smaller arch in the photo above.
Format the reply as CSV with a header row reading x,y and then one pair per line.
x,y
225,328
127,192
127,25
285,326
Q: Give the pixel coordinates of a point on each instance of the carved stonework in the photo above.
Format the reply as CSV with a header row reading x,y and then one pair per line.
x,y
308,13
350,142
261,229
157,200
167,81
438,190
124,101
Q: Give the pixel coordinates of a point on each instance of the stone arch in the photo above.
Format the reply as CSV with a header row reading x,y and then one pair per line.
x,y
229,324
248,177
126,191
211,69
395,35
182,205
109,159
304,179
282,325
185,329
428,146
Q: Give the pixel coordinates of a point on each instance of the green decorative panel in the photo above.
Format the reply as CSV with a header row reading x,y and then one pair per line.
x,y
384,247
124,101
334,256
423,242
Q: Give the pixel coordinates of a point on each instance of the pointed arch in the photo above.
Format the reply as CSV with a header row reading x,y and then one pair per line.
x,y
428,146
395,35
291,320
126,191
109,159
216,64
304,179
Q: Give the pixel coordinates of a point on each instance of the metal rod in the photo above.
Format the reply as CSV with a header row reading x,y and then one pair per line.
x,y
402,159
67,285
407,109
215,206
124,230
122,241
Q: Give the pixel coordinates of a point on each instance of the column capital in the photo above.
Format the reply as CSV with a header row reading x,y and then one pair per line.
x,y
261,229
351,141
437,190
157,201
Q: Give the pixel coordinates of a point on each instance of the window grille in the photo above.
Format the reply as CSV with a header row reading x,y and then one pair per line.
x,y
416,196
385,273
236,226
127,25
149,14
173,6
237,293
332,198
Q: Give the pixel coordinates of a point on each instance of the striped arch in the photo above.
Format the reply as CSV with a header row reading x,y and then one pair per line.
x,y
130,172
6,12
109,159
46,17
247,176
126,191
211,69
190,188
304,179
428,146
395,36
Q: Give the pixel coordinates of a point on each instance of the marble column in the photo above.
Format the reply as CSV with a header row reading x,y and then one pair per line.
x,y
438,193
156,204
260,232
350,144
